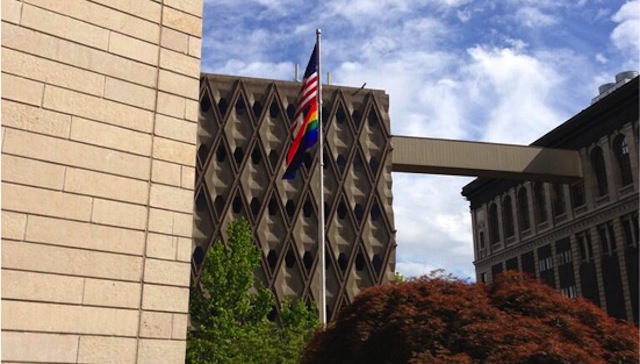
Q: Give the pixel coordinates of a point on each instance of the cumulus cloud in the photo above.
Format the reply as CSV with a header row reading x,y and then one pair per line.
x,y
626,35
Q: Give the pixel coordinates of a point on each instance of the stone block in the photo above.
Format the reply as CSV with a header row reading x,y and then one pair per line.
x,y
103,349
95,108
110,136
104,17
167,272
161,351
174,151
180,63
35,347
171,105
171,198
98,184
13,225
75,154
172,223
64,27
174,40
22,90
47,230
35,119
100,292
182,21
130,94
156,325
51,72
76,262
31,172
179,84
29,286
176,129
11,11
165,298
65,319
38,201
166,173
133,48
119,214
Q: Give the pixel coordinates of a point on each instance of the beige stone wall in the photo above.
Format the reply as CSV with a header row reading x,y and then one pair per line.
x,y
99,112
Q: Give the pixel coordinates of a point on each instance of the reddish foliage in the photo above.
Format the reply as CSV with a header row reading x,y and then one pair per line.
x,y
443,320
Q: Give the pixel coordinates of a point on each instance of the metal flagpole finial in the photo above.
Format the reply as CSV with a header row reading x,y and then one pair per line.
x,y
318,31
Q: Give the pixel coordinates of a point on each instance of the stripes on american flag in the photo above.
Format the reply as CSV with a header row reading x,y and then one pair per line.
x,y
305,121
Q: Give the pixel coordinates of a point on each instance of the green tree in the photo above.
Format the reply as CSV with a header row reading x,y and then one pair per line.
x,y
229,310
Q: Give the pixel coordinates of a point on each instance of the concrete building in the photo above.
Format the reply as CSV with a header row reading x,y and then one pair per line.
x,y
579,237
243,138
99,119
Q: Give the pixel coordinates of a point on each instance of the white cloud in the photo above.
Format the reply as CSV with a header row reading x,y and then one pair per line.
x,y
600,58
532,17
626,35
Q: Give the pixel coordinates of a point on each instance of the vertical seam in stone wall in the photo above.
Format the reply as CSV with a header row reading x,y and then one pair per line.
x,y
153,128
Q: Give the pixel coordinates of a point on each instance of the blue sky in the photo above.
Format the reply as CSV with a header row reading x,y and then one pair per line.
x,y
497,71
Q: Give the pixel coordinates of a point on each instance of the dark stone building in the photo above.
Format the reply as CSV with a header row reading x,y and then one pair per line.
x,y
580,237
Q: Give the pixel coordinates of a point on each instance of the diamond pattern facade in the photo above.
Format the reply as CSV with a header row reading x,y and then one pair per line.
x,y
242,142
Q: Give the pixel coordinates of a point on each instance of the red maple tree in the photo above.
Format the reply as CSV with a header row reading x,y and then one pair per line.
x,y
446,320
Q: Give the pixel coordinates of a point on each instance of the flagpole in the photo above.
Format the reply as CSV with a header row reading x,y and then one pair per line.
x,y
323,271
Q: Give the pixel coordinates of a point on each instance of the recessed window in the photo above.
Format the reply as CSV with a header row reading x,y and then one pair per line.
x,y
342,261
255,206
223,105
290,207
523,209
273,157
373,164
307,209
218,204
377,263
238,155
359,212
507,217
240,107
373,118
272,258
340,116
375,211
237,205
205,103
291,112
201,202
257,109
494,233
540,202
342,210
307,259
341,161
203,152
198,255
290,259
559,206
357,117
359,262
273,206
256,156
221,153
597,163
621,151
274,110
578,197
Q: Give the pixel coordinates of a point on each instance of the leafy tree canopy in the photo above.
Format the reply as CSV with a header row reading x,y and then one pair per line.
x,y
440,319
229,310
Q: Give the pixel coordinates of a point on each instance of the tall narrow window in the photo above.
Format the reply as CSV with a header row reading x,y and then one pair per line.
x,y
577,195
559,207
621,151
494,232
540,202
597,163
507,217
523,209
